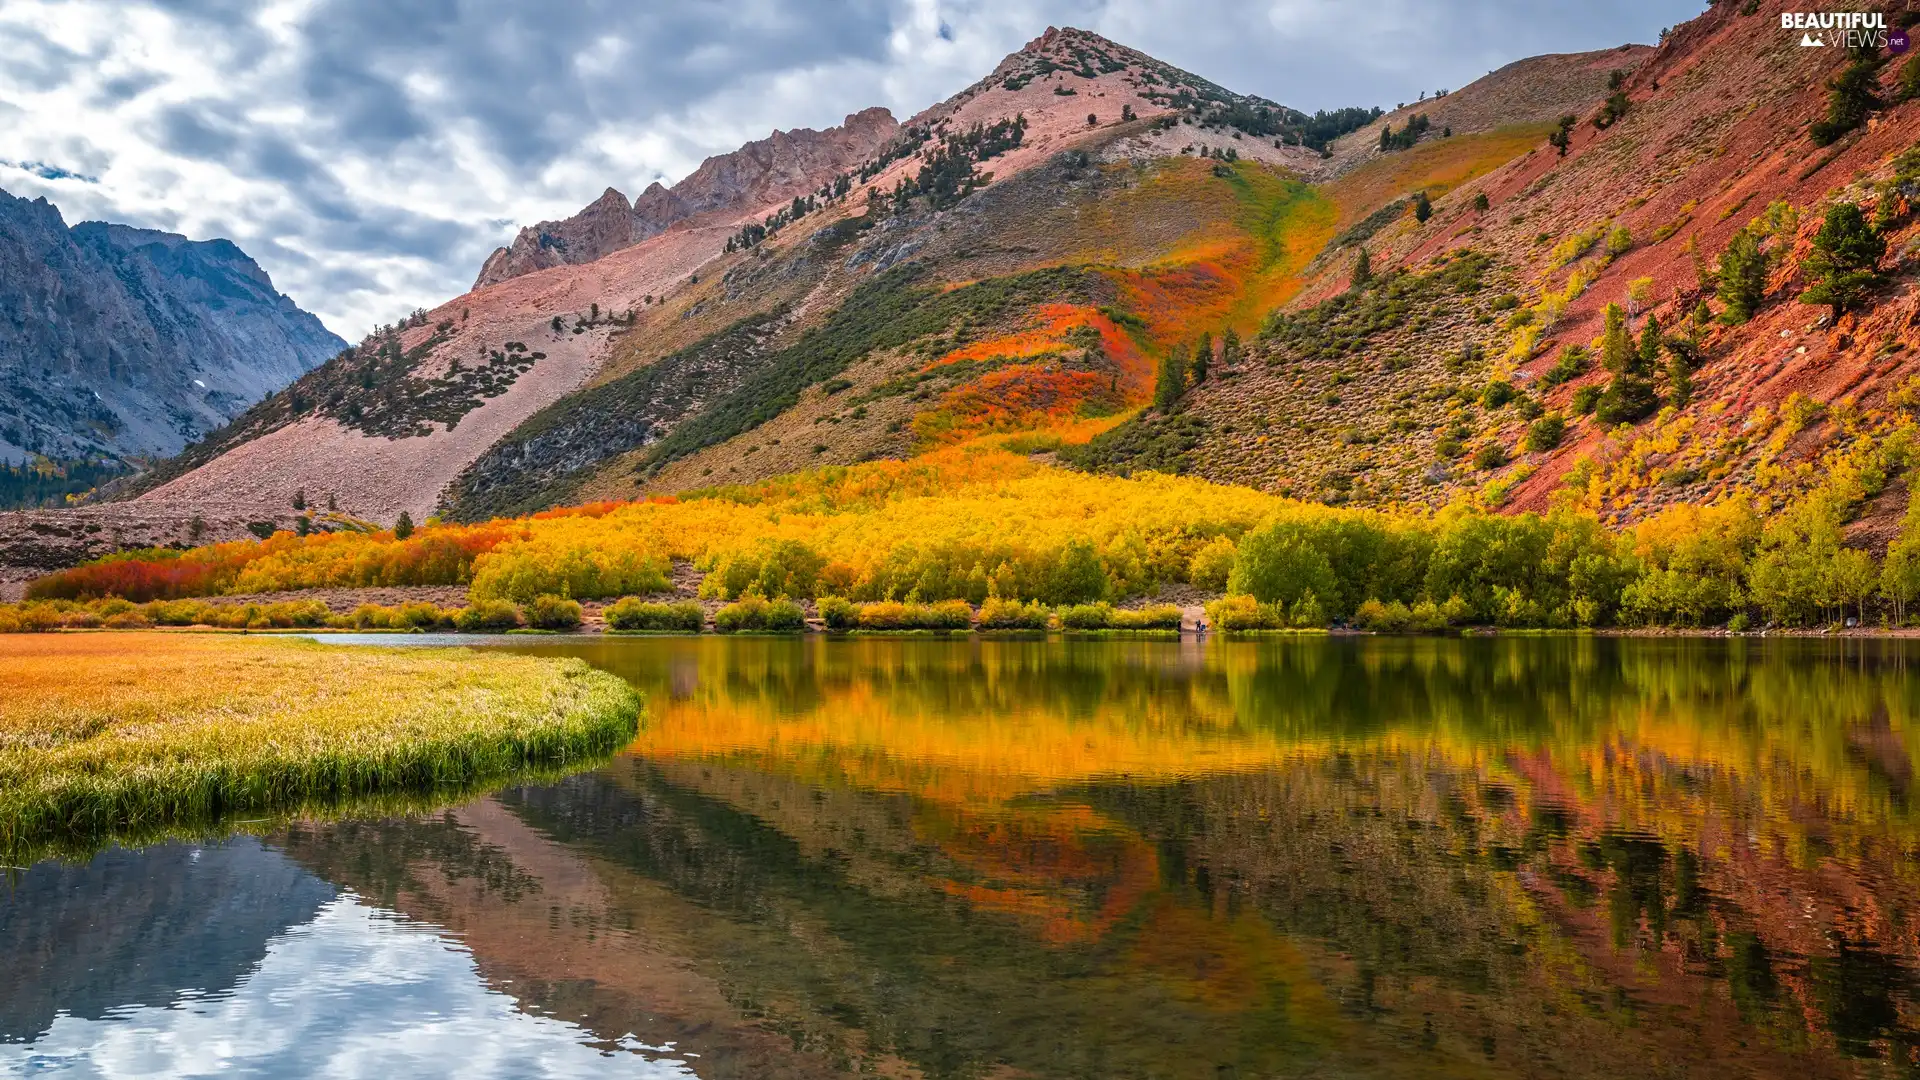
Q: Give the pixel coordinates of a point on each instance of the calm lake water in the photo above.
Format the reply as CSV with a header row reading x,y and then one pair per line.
x,y
1527,857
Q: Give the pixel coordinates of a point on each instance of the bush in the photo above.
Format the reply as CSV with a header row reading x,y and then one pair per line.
x,y
1737,624
1546,432
999,614
1490,456
633,613
1586,398
553,613
485,615
1242,612
838,612
1497,394
893,615
1153,617
1628,399
1086,617
756,612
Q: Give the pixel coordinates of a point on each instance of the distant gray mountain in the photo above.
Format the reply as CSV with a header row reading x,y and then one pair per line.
x,y
123,341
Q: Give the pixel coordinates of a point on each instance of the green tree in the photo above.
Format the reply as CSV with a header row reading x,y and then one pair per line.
x,y
1230,349
557,325
1679,381
1480,201
1741,276
1854,579
1845,253
1202,359
1651,341
1172,383
1281,564
403,528
1362,269
1546,432
1562,134
1616,345
1855,94
1422,207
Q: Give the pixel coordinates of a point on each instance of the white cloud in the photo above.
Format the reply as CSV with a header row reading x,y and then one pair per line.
x,y
366,152
357,992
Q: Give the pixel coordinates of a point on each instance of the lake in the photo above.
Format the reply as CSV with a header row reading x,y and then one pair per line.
x,y
1315,857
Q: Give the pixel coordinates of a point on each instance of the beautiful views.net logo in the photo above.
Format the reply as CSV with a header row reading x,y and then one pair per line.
x,y
1844,29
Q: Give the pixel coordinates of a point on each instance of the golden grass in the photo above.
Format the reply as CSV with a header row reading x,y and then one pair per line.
x,y
105,736
1436,167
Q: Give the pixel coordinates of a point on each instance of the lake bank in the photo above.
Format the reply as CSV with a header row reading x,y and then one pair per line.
x,y
116,735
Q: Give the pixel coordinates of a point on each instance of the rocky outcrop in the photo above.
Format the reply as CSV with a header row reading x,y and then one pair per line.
x,y
120,341
773,169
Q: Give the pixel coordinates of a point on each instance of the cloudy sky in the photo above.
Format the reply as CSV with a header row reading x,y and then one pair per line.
x,y
370,153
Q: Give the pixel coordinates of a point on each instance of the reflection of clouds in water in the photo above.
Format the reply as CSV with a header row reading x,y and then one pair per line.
x,y
356,992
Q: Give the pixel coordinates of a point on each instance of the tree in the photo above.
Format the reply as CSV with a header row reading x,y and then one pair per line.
x,y
1616,345
1230,349
1093,119
1855,94
1854,578
1362,270
1650,342
403,528
1679,381
1546,432
1562,135
557,325
1741,276
1126,113
1480,202
1202,359
1172,383
1845,253
1422,207
300,499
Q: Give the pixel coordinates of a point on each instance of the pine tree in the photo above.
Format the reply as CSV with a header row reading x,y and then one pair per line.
x,y
1562,134
1230,349
1202,359
1422,207
1650,342
1855,94
1480,202
403,528
1616,345
1742,276
1172,382
1845,253
1362,270
1679,381
300,499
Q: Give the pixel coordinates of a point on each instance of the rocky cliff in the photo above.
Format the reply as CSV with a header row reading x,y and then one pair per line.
x,y
120,341
773,169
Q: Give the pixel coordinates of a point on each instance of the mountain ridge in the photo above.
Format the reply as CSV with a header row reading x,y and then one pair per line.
x,y
125,342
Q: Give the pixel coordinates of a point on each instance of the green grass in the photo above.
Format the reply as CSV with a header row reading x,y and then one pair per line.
x,y
118,737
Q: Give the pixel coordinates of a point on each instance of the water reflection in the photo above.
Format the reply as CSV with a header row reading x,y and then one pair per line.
x,y
1556,856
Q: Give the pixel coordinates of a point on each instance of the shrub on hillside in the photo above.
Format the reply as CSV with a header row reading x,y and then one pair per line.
x,y
633,613
553,613
754,612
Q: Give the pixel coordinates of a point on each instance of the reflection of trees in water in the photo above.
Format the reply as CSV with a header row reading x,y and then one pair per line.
x,y
1522,839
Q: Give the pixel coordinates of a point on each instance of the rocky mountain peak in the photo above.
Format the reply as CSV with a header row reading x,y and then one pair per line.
x,y
763,172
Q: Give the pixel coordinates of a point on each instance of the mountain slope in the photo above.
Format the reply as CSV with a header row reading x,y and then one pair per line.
x,y
120,341
1411,390
1037,242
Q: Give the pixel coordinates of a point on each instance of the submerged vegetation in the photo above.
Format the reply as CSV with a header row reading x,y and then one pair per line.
x,y
102,738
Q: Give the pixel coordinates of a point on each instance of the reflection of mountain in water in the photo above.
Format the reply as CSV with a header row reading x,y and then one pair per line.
x,y
137,928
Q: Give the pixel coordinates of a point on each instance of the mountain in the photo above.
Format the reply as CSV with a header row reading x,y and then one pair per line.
x,y
774,169
1022,259
122,342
